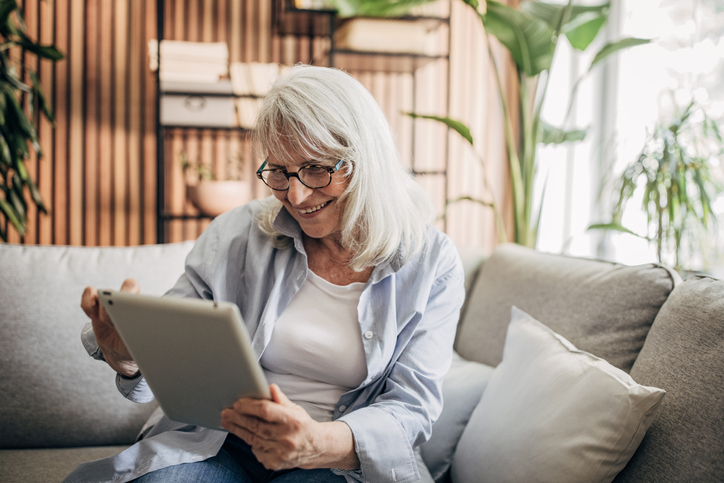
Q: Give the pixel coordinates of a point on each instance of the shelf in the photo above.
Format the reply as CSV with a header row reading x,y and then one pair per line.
x,y
203,128
398,63
209,94
175,216
289,20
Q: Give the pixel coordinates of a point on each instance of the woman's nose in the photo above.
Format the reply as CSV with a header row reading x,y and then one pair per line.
x,y
297,192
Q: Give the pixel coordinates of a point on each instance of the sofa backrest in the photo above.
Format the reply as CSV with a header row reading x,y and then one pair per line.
x,y
684,355
601,307
52,394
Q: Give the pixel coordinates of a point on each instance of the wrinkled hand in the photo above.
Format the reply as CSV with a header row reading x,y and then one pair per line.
x,y
282,435
109,341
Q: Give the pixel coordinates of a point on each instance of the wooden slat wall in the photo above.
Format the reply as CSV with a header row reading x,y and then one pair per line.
x,y
98,175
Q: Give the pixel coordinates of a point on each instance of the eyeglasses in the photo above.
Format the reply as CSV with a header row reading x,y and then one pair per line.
x,y
312,176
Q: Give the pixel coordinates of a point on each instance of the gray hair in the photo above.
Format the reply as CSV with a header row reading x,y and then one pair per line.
x,y
324,113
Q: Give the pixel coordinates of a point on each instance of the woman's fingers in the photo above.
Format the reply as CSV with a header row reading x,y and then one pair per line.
x,y
89,302
131,285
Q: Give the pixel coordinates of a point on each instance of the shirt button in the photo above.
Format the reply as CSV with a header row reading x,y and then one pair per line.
x,y
342,408
368,334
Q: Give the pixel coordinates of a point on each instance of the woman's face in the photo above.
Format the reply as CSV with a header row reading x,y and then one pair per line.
x,y
316,210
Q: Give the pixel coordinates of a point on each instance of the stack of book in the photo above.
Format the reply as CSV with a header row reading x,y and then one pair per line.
x,y
251,81
198,62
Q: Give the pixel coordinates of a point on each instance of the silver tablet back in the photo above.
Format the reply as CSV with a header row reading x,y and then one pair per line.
x,y
195,354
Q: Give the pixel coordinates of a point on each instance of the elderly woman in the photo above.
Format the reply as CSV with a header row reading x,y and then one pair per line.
x,y
349,294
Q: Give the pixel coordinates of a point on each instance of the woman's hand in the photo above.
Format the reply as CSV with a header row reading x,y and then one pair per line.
x,y
282,435
109,341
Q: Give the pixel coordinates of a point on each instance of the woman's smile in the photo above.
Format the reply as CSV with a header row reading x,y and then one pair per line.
x,y
313,210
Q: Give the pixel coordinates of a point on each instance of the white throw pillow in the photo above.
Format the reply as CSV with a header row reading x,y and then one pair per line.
x,y
552,413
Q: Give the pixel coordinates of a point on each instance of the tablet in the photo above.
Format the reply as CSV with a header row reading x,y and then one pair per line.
x,y
194,354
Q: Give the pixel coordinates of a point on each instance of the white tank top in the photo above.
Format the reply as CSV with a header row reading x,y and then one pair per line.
x,y
315,354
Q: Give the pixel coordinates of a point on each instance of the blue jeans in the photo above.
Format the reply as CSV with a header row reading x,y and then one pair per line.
x,y
235,463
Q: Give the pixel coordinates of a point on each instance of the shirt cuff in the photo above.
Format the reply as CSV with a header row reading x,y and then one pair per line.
x,y
382,446
134,388
88,337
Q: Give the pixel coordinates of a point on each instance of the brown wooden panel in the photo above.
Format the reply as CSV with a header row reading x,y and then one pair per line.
x,y
119,128
76,123
149,131
92,120
31,163
134,106
60,192
45,129
104,158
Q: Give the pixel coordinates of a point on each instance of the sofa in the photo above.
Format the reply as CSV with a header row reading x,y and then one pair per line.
x,y
637,331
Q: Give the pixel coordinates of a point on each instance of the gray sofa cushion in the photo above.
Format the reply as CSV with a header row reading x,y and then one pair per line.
x,y
601,307
60,396
462,389
47,465
683,355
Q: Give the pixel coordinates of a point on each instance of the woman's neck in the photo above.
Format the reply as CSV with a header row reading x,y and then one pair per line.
x,y
331,261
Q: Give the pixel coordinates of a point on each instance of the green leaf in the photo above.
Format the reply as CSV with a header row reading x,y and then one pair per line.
x,y
18,203
458,126
35,194
552,13
6,8
44,51
613,47
615,227
554,135
44,106
583,29
529,40
375,8
12,216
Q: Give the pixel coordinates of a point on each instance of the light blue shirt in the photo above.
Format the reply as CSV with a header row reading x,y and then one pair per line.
x,y
407,314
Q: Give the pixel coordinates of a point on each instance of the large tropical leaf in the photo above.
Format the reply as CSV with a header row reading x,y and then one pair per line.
x,y
581,25
583,30
612,47
555,135
458,126
528,39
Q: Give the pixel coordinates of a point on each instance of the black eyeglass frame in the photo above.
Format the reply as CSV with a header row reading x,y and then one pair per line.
x,y
330,170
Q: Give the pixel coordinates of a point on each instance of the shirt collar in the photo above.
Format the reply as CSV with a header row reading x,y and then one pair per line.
x,y
288,226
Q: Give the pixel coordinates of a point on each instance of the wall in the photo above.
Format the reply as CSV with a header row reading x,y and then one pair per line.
x,y
98,174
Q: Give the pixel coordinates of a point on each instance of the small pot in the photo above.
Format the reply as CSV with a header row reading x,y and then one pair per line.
x,y
215,197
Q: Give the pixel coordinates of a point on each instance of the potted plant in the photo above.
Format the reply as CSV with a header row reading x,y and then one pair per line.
x,y
212,196
17,118
531,34
674,175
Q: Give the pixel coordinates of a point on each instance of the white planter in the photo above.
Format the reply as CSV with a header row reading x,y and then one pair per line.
x,y
215,197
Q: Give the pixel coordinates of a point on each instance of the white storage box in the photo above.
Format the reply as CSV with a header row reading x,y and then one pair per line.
x,y
197,110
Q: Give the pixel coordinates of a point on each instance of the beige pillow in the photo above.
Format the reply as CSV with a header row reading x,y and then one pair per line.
x,y
552,413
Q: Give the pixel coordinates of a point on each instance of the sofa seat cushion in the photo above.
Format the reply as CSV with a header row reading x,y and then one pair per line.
x,y
462,389
53,394
602,308
552,413
683,354
44,465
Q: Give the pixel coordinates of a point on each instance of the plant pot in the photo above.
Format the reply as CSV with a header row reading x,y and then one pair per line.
x,y
215,197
